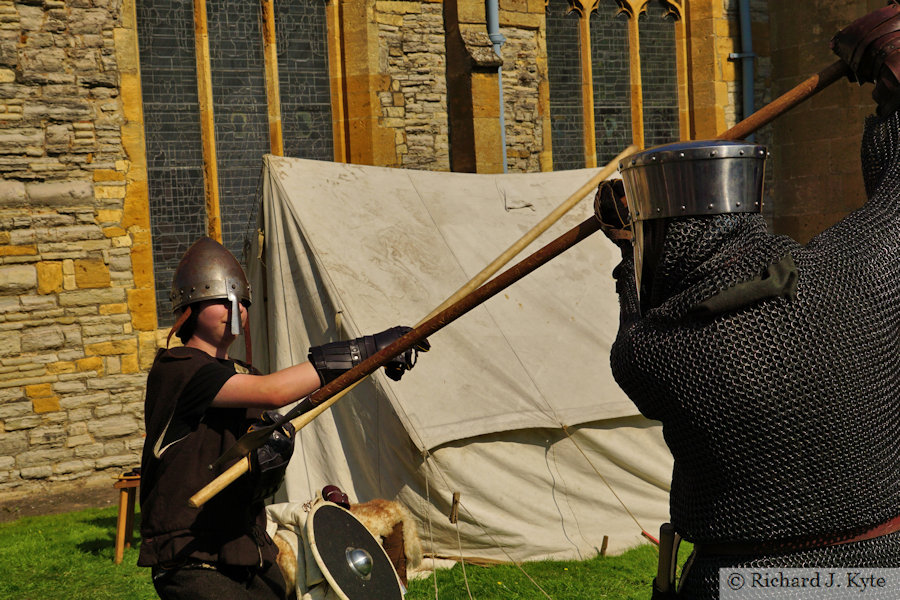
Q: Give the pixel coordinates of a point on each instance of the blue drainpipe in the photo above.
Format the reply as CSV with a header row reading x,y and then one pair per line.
x,y
492,13
746,56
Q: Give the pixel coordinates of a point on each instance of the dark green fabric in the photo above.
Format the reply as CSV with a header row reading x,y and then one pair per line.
x,y
779,280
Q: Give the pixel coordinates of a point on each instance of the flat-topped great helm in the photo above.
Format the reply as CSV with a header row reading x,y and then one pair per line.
x,y
687,179
208,271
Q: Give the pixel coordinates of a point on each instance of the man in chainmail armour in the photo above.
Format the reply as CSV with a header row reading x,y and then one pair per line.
x,y
773,366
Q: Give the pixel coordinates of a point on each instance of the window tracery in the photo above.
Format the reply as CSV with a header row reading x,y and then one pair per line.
x,y
656,101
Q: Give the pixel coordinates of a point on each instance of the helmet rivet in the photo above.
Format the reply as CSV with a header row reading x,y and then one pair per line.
x,y
652,158
233,286
711,205
207,286
713,153
681,154
192,289
658,210
741,152
683,207
738,204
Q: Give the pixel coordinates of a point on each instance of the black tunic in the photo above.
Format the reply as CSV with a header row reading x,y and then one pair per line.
x,y
185,435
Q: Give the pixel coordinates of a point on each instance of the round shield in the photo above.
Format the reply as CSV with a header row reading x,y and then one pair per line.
x,y
352,561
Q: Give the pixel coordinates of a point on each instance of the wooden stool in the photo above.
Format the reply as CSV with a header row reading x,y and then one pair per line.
x,y
127,485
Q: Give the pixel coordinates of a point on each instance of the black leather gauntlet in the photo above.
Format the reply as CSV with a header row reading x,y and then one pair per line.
x,y
611,208
335,358
269,462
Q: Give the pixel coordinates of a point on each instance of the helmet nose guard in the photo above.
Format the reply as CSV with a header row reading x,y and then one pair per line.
x,y
208,271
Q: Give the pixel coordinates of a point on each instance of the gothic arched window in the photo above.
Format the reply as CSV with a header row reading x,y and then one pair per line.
x,y
178,173
567,124
622,80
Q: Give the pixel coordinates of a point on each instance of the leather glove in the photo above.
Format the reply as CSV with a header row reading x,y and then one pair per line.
x,y
870,46
269,462
611,209
402,362
334,358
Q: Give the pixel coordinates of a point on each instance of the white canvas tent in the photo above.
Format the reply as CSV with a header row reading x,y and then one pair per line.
x,y
514,407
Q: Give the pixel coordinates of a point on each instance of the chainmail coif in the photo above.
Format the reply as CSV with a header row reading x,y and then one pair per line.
x,y
782,415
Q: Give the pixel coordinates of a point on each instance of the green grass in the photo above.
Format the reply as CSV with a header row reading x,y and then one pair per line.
x,y
69,557
622,577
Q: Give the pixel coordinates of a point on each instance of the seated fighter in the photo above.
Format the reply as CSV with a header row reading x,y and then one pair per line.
x,y
199,402
774,367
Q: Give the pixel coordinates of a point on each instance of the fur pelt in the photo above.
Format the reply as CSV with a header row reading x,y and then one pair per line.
x,y
380,516
286,541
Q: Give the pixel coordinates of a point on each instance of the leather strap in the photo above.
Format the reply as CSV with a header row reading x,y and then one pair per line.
x,y
184,317
785,546
248,346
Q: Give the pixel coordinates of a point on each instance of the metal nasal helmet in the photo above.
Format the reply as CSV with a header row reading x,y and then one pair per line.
x,y
208,271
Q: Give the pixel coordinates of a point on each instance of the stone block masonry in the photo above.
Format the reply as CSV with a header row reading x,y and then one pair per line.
x,y
76,335
414,101
815,156
524,74
411,36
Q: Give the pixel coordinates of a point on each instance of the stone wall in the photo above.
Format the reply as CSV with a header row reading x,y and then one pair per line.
x,y
815,154
76,331
813,175
714,34
414,105
524,75
412,50
526,84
